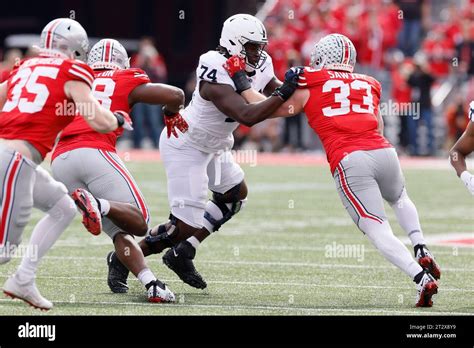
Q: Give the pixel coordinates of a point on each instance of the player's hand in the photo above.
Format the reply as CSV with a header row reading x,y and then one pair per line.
x,y
173,122
468,180
292,77
124,120
235,67
234,64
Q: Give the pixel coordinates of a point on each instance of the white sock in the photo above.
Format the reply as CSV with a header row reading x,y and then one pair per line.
x,y
407,217
390,247
194,241
146,276
44,235
104,206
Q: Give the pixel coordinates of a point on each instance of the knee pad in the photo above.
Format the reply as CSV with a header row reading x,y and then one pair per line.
x,y
219,210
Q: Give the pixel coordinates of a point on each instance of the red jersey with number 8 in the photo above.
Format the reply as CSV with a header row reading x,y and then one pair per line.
x,y
111,88
342,111
36,109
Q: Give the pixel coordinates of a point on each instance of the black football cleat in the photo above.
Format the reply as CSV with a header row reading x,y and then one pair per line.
x,y
118,274
180,260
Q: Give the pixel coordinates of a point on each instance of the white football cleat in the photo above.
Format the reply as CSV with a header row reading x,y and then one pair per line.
x,y
426,288
158,292
27,292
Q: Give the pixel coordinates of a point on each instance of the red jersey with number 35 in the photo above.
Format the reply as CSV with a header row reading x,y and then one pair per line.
x,y
34,108
342,111
111,88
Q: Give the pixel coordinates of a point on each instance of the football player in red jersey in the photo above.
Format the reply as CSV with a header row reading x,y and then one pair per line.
x,y
36,102
342,108
463,147
87,163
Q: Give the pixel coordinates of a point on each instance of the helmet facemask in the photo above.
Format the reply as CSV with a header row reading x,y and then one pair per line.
x,y
317,61
60,44
254,53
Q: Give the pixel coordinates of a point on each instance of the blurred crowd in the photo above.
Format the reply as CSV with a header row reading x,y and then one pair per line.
x,y
422,51
147,118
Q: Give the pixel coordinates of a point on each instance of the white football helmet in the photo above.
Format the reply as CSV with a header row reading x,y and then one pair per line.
x,y
241,29
64,37
334,52
108,54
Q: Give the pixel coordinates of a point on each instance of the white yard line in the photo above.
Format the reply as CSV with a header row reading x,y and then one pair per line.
x,y
267,263
253,283
309,248
464,250
260,307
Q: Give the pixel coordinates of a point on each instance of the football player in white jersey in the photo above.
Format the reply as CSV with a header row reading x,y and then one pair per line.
x,y
200,158
463,147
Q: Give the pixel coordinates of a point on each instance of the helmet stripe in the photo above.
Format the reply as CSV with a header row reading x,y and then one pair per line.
x,y
346,51
106,51
50,34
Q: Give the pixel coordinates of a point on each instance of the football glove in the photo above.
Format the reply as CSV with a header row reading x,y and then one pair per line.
x,y
290,84
174,121
468,180
124,120
235,67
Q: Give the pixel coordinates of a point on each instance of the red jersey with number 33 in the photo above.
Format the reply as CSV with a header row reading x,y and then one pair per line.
x,y
111,88
34,110
342,111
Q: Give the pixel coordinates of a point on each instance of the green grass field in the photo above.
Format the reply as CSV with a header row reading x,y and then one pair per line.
x,y
271,259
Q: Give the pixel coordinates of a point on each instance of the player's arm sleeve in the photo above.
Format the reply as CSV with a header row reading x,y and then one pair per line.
x,y
79,71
